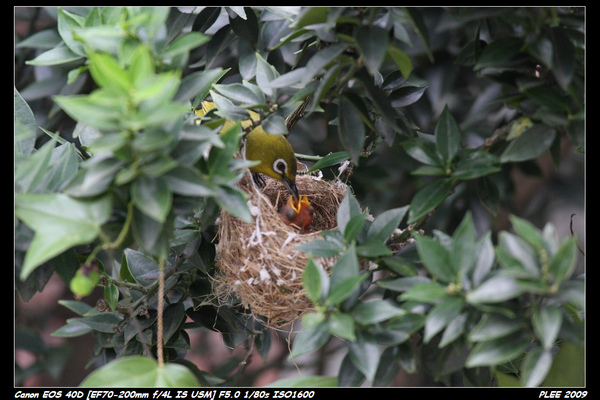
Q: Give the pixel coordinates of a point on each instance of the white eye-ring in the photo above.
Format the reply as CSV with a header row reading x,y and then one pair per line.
x,y
280,166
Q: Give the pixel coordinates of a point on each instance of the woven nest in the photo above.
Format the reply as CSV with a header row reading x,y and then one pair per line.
x,y
258,263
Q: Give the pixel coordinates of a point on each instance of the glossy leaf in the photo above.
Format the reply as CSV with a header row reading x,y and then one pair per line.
x,y
310,340
498,51
351,129
494,326
422,150
436,258
384,224
372,312
342,325
330,160
495,290
530,144
475,165
364,353
536,366
142,267
428,198
498,351
447,136
406,95
441,315
315,281
152,196
564,261
547,321
372,42
138,371
60,222
427,292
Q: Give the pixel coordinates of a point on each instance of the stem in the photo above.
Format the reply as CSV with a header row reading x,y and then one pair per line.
x,y
159,329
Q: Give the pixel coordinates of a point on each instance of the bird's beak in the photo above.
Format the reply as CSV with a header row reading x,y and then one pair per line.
x,y
290,185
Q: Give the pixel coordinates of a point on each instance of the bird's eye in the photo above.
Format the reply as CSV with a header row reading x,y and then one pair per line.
x,y
280,166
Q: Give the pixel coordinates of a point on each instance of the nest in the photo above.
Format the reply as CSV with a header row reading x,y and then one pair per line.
x,y
258,263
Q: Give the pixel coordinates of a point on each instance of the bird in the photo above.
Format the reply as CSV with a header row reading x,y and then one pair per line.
x,y
273,152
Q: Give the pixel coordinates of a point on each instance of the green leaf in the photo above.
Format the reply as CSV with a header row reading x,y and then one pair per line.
x,y
142,267
385,223
315,281
187,181
353,228
530,144
67,23
547,321
427,292
372,42
535,367
498,52
234,201
441,315
60,222
138,371
428,198
527,231
495,290
373,249
73,328
25,127
95,178
104,322
488,194
568,368
111,295
416,20
348,208
310,340
447,136
435,258
364,353
107,73
321,59
475,165
518,252
31,171
454,330
497,351
265,73
406,95
351,129
564,261
184,44
320,248
563,57
78,307
198,84
402,60
275,125
494,326
422,150
341,290
342,325
373,312
329,160
305,381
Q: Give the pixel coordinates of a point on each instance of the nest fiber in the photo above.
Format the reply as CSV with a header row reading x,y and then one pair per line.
x,y
258,263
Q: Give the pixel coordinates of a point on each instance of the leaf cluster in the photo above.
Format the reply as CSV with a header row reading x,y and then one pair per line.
x,y
459,305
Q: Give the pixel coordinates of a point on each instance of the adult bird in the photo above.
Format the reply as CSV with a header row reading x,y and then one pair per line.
x,y
273,152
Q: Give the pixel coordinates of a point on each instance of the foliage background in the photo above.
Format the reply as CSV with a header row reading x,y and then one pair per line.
x,y
549,189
